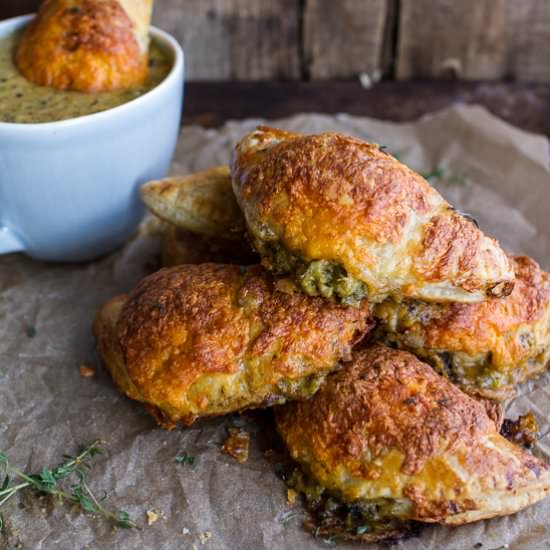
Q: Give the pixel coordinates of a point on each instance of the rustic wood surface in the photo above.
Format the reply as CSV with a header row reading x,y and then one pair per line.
x,y
238,39
318,39
344,38
212,103
474,39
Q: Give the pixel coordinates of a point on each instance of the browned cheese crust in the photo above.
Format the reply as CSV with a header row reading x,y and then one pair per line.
x,y
490,347
389,426
199,340
82,45
337,198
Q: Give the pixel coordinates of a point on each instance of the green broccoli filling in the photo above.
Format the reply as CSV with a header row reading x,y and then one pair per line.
x,y
479,371
316,277
330,280
302,388
376,520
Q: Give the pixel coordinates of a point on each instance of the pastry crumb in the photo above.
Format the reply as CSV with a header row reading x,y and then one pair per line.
x,y
86,371
286,286
237,444
291,495
152,517
203,537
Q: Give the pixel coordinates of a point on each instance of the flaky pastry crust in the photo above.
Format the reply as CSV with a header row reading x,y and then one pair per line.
x,y
333,197
487,348
200,340
388,426
202,202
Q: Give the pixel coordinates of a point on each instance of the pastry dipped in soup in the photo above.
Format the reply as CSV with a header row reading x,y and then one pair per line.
x,y
203,340
87,45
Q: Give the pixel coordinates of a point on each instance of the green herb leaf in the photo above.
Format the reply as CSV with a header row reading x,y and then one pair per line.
x,y
124,520
185,459
435,174
2,523
94,450
87,505
30,330
47,478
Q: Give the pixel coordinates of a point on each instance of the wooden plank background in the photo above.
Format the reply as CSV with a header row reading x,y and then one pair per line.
x,y
323,39
475,39
343,38
235,39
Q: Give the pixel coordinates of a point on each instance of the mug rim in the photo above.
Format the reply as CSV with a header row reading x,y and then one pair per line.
x,y
171,78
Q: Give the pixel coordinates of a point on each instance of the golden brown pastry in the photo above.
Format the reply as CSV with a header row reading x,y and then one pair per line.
x,y
347,220
201,340
202,203
87,45
397,442
486,348
203,222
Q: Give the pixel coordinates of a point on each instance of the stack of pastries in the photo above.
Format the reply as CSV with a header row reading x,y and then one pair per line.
x,y
382,324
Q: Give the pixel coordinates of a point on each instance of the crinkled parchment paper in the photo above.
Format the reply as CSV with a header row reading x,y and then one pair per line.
x,y
495,172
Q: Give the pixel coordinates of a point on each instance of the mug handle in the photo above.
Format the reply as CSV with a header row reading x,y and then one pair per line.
x,y
9,242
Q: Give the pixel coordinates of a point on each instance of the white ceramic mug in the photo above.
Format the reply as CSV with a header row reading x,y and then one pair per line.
x,y
69,189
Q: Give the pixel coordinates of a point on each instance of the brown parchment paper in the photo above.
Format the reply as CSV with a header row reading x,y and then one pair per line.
x,y
497,173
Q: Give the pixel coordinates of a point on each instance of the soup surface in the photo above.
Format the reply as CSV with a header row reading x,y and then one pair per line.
x,y
23,102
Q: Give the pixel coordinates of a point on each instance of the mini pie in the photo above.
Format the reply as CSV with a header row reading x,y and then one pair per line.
x,y
202,340
486,348
347,220
391,437
87,45
202,203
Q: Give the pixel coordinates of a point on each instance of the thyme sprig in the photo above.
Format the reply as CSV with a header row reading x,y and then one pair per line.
x,y
48,482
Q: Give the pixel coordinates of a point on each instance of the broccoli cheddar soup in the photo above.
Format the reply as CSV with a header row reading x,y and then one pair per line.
x,y
23,102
